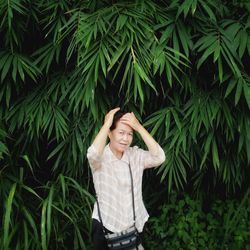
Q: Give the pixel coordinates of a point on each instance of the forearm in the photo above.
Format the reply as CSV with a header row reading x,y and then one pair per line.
x,y
100,140
150,142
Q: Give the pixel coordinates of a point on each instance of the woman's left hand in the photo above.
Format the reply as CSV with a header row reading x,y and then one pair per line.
x,y
130,120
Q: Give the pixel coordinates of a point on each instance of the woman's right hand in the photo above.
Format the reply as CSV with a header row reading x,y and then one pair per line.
x,y
100,139
109,117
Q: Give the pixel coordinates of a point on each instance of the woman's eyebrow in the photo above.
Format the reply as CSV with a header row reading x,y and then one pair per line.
x,y
122,130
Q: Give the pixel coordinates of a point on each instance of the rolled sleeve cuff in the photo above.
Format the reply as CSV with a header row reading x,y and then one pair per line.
x,y
156,159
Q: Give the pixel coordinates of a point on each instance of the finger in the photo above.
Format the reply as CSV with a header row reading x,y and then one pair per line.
x,y
126,116
126,122
115,110
125,119
112,112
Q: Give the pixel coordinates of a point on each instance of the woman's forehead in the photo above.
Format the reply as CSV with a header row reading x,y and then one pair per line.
x,y
124,127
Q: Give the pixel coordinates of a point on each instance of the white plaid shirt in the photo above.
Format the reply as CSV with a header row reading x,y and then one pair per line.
x,y
112,183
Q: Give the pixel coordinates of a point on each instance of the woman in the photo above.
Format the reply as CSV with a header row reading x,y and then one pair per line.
x,y
111,175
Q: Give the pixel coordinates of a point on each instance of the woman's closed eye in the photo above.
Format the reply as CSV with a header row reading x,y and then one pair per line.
x,y
123,133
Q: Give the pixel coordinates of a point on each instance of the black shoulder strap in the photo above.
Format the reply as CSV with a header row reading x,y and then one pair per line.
x,y
99,214
132,188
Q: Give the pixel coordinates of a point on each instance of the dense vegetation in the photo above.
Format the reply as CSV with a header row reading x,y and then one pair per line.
x,y
181,66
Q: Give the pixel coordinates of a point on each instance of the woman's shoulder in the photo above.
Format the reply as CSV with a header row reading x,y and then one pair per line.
x,y
134,149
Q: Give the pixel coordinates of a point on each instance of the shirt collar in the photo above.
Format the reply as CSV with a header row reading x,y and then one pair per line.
x,y
112,157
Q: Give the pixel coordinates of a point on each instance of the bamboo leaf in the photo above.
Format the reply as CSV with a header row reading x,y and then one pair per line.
x,y
49,221
169,74
7,216
26,158
143,75
31,221
238,91
248,150
157,125
96,74
116,56
3,57
216,53
243,42
103,63
63,186
194,6
6,67
79,141
25,229
20,69
216,161
184,8
246,89
138,87
121,21
14,71
220,69
231,86
208,10
43,225
30,190
176,118
166,34
206,148
233,29
184,38
205,55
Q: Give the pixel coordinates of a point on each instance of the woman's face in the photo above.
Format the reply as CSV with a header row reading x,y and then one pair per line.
x,y
121,137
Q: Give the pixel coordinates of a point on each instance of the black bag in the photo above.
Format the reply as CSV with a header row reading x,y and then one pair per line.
x,y
128,239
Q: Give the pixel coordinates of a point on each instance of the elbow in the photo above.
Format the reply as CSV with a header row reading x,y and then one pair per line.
x,y
161,159
162,156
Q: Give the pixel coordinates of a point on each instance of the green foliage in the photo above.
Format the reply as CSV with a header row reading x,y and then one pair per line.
x,y
181,66
183,224
51,216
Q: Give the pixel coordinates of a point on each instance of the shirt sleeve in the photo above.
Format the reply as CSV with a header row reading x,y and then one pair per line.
x,y
149,160
93,158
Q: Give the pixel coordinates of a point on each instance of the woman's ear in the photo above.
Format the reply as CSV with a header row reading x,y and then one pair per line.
x,y
109,134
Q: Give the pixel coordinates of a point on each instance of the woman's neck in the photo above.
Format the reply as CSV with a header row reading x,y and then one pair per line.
x,y
116,153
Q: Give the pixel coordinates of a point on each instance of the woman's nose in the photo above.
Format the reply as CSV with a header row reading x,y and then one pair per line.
x,y
125,137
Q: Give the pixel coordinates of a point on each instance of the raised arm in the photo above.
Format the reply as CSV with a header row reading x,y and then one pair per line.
x,y
101,138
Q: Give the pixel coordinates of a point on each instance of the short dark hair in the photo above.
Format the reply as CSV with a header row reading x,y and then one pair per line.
x,y
117,116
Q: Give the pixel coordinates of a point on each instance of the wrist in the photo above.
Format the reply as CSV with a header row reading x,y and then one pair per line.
x,y
139,128
105,127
